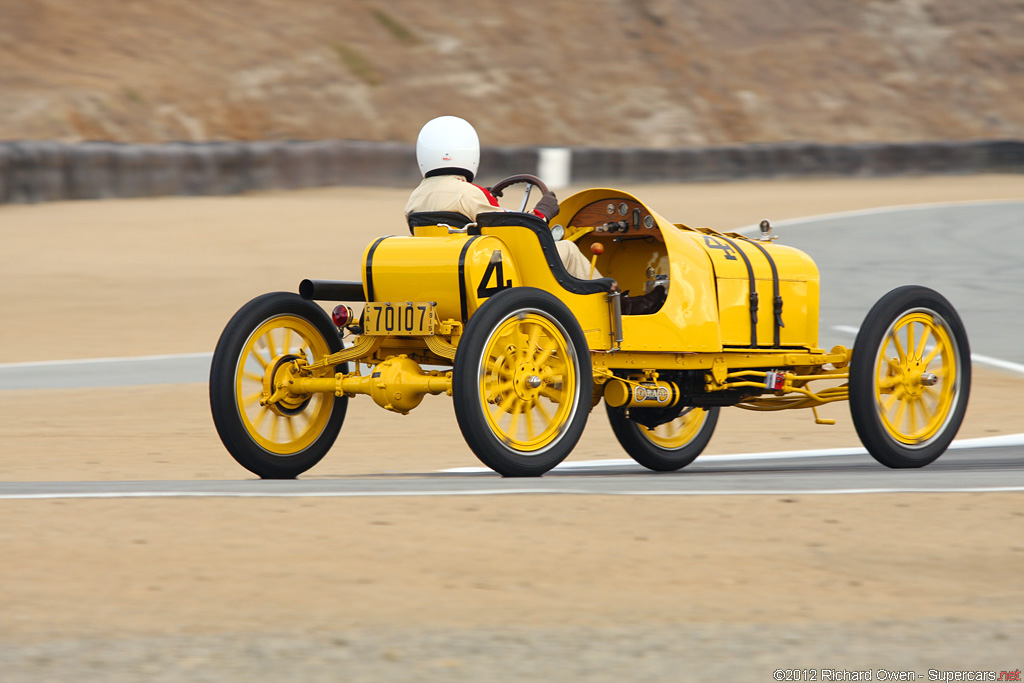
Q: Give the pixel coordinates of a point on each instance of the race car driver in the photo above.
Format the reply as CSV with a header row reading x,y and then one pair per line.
x,y
448,153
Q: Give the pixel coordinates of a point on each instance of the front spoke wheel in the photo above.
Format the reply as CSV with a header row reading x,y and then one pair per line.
x,y
910,377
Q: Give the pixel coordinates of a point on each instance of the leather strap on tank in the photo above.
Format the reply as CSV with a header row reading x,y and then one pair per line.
x,y
777,301
753,289
462,276
369,267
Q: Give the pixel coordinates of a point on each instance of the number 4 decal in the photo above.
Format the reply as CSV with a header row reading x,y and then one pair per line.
x,y
494,267
715,243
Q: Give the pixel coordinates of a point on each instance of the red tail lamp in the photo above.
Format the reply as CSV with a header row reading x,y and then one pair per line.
x,y
342,315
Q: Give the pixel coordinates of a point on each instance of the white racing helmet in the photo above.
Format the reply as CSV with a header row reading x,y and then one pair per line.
x,y
448,145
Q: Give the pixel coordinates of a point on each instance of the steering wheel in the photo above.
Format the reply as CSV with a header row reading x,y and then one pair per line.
x,y
530,180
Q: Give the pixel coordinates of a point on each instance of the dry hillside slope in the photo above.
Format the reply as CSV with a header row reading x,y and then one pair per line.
x,y
605,72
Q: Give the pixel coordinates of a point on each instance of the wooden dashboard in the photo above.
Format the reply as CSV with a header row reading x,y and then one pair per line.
x,y
619,217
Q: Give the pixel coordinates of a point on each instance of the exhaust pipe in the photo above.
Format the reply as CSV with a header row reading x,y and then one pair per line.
x,y
331,290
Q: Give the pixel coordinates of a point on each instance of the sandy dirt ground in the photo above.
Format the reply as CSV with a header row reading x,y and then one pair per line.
x,y
442,588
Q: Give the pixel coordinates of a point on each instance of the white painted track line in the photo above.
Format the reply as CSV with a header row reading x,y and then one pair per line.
x,y
1001,441
878,210
496,492
76,373
113,360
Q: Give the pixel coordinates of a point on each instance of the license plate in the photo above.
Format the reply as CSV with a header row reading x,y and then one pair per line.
x,y
410,318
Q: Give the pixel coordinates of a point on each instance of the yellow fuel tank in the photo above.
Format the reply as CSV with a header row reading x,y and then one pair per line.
x,y
457,271
767,293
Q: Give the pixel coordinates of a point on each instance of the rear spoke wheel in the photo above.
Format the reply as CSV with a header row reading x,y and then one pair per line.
x,y
669,446
281,337
522,382
270,432
528,417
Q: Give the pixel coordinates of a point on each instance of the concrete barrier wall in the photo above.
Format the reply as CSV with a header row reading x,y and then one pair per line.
x,y
37,171
796,159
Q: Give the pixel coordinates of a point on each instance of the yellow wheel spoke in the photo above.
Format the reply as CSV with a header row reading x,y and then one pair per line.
x,y
543,411
524,345
522,352
900,412
283,435
497,390
531,343
896,395
931,356
929,407
925,395
509,400
550,392
262,362
924,342
556,367
498,371
544,355
530,434
677,433
901,354
888,382
514,420
287,339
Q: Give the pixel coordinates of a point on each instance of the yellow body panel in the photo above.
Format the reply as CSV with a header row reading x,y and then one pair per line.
x,y
457,271
707,309
688,321
708,304
798,288
591,310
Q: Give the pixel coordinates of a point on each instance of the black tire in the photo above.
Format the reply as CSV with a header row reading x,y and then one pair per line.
x,y
522,380
311,425
675,451
892,387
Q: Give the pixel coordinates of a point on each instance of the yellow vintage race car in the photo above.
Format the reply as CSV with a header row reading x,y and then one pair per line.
x,y
485,312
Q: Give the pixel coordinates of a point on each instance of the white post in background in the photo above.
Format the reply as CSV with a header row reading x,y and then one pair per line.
x,y
554,166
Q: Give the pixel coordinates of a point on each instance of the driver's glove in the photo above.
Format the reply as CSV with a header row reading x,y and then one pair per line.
x,y
548,205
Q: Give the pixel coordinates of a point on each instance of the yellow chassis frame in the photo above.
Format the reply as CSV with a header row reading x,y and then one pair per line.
x,y
398,384
739,369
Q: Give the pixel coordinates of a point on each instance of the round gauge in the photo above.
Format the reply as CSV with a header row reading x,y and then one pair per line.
x,y
623,209
611,209
648,221
557,231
